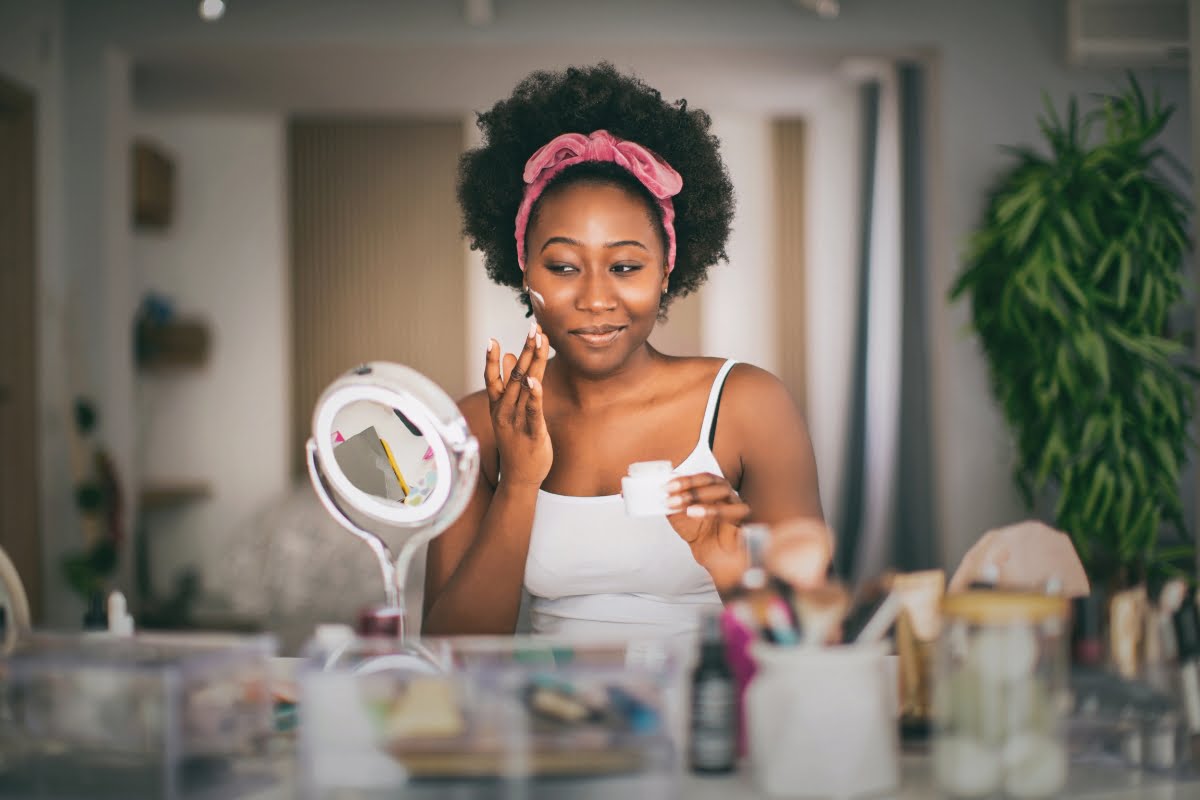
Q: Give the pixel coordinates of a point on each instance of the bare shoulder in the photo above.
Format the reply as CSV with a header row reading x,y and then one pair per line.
x,y
477,411
764,426
755,398
748,390
748,379
694,371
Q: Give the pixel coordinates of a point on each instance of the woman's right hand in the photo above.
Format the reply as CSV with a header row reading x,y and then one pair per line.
x,y
514,389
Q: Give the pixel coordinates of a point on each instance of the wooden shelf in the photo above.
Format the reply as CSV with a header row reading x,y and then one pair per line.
x,y
172,345
156,496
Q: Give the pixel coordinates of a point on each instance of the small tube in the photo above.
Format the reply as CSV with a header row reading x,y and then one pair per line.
x,y
120,622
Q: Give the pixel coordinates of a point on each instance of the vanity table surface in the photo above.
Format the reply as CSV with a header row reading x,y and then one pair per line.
x,y
1087,782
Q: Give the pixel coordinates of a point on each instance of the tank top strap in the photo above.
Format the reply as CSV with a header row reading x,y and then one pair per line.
x,y
714,399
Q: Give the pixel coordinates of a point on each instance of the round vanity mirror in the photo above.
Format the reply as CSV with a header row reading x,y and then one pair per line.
x,y
393,461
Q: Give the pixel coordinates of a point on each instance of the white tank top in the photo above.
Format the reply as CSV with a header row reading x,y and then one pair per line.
x,y
593,572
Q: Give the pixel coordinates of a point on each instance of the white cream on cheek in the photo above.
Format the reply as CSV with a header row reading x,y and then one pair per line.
x,y
539,302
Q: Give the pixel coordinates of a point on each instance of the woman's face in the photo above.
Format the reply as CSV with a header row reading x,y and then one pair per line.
x,y
595,274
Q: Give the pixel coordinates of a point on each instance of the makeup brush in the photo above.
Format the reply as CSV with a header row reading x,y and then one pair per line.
x,y
920,594
871,606
799,552
821,611
880,622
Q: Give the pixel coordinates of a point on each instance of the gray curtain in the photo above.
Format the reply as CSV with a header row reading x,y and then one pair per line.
x,y
915,542
849,520
893,525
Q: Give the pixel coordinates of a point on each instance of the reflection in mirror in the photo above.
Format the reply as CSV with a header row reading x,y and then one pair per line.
x,y
383,453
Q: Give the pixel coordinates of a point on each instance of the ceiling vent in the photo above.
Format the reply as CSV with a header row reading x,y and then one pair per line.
x,y
1127,33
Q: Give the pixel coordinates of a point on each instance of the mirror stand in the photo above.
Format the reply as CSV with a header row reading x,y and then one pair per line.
x,y
390,453
382,552
393,570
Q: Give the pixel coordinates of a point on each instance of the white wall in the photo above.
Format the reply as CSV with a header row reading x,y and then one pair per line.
x,y
994,60
738,317
224,258
831,279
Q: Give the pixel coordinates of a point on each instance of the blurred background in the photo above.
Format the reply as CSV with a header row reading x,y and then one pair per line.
x,y
209,210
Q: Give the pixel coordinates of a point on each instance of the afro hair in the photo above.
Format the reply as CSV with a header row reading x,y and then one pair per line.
x,y
581,100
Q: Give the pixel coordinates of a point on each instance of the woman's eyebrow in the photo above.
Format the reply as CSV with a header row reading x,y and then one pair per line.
x,y
577,243
561,240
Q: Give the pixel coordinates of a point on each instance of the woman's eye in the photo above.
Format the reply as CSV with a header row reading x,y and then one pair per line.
x,y
623,268
560,268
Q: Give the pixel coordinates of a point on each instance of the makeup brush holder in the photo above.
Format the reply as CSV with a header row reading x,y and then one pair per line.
x,y
821,722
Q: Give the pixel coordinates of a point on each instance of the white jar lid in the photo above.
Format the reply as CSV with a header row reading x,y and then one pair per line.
x,y
649,467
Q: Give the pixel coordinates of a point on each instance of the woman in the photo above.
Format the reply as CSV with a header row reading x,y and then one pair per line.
x,y
619,202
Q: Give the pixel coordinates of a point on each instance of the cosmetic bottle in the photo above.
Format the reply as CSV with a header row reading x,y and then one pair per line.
x,y
120,621
747,615
645,488
712,746
1126,630
1157,669
1187,637
385,622
96,617
1088,647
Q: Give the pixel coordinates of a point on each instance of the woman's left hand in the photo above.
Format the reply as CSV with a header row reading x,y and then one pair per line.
x,y
707,513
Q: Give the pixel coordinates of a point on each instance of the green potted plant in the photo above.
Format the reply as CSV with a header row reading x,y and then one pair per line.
x,y
1071,277
98,496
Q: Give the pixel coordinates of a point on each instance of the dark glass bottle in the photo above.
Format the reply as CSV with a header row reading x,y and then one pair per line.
x,y
712,747
96,616
1187,634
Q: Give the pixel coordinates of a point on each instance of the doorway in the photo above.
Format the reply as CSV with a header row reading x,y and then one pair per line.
x,y
19,532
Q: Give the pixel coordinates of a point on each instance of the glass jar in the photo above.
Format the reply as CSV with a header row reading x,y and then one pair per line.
x,y
1001,694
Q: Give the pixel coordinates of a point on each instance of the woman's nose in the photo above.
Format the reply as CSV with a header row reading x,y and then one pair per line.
x,y
596,292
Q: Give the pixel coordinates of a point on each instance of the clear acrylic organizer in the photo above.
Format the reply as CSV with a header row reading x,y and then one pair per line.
x,y
148,716
495,717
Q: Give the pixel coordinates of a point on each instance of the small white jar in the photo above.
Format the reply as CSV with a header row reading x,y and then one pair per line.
x,y
645,488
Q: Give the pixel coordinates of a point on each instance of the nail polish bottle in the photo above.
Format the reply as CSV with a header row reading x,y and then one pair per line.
x,y
1087,630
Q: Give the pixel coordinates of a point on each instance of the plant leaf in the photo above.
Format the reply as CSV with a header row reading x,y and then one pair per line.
x,y
1124,274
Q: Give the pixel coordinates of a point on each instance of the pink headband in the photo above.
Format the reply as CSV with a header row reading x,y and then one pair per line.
x,y
575,148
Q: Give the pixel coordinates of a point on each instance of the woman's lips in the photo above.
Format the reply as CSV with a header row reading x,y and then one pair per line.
x,y
598,337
